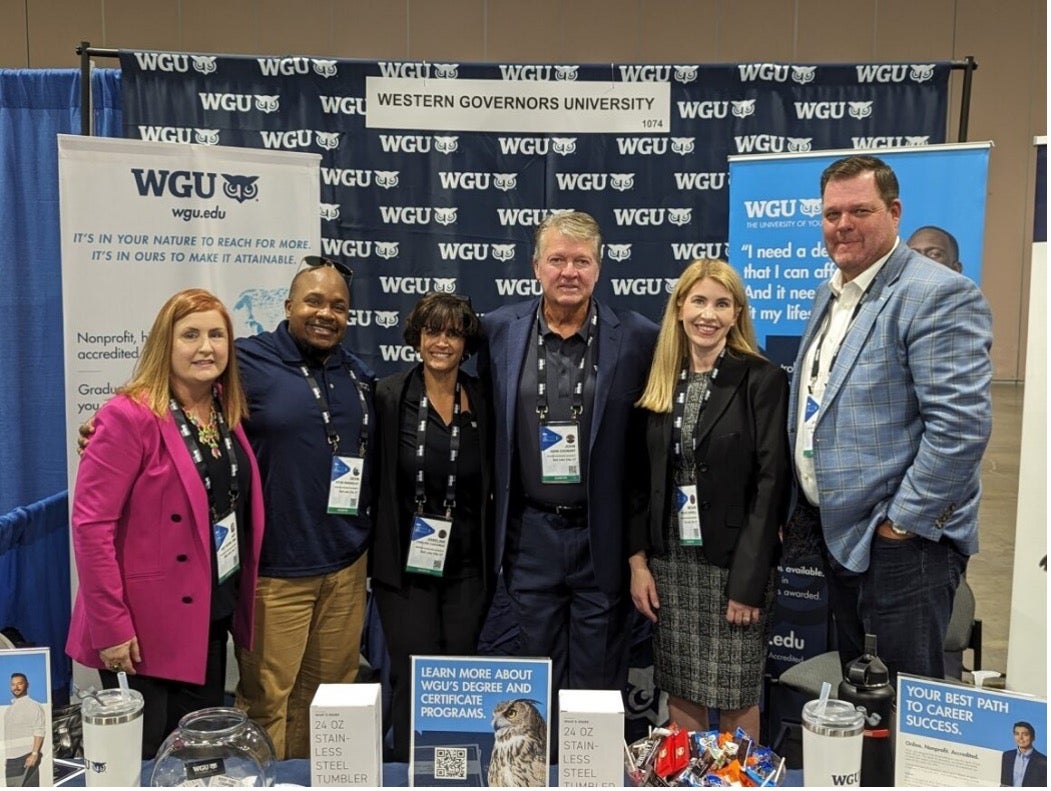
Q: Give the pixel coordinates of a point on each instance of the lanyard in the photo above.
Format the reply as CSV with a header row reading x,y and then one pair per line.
x,y
198,457
421,449
679,411
326,415
815,364
577,402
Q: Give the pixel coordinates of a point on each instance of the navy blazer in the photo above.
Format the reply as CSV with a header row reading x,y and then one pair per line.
x,y
743,472
390,546
1035,771
616,445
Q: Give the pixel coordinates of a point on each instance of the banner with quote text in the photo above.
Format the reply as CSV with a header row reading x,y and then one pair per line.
x,y
776,240
142,220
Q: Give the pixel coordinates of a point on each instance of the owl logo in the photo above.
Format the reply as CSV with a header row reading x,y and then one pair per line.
x,y
505,181
680,216
622,181
564,145
387,250
205,64
387,179
206,137
859,110
804,74
520,745
921,72
240,188
386,318
685,74
328,140
618,252
742,108
810,207
503,252
445,285
329,211
445,215
669,284
799,143
447,71
268,104
446,144
682,145
323,68
566,73
917,140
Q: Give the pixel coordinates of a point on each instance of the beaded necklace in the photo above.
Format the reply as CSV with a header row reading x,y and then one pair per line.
x,y
207,434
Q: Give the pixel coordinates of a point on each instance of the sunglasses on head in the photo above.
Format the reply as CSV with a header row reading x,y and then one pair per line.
x,y
314,261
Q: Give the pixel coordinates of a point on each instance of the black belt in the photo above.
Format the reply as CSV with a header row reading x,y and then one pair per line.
x,y
565,511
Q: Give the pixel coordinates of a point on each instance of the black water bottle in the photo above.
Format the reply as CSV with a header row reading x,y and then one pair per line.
x,y
866,685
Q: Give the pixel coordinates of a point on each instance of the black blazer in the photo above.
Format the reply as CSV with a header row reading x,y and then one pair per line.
x,y
1035,771
390,545
743,474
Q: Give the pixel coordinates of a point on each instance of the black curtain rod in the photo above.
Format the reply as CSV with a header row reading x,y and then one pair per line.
x,y
86,51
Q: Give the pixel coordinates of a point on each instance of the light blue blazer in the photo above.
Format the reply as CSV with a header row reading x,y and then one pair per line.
x,y
907,411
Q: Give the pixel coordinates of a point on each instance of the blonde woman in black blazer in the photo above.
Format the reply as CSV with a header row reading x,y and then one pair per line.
x,y
431,612
702,558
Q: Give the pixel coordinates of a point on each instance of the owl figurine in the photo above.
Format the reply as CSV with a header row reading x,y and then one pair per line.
x,y
520,748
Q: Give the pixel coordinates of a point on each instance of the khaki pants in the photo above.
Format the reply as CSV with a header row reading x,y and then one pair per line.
x,y
307,632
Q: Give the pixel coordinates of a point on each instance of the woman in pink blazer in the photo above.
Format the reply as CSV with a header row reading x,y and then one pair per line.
x,y
168,520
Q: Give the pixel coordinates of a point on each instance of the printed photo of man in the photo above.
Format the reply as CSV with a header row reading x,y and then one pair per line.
x,y
24,728
1025,765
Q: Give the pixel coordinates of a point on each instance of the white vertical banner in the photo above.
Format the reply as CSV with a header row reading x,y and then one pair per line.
x,y
1027,638
143,220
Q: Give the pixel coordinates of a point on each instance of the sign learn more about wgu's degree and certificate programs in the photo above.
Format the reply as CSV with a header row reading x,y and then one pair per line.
x,y
480,721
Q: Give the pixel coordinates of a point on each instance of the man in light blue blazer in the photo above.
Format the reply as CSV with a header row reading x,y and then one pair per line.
x,y
565,372
888,419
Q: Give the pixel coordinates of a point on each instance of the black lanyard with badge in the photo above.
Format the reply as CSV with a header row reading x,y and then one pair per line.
x,y
344,492
430,534
224,520
560,440
687,510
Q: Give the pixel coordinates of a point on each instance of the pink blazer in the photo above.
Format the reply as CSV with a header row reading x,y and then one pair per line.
x,y
142,539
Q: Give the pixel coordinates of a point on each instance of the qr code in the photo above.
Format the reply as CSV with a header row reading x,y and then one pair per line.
x,y
450,763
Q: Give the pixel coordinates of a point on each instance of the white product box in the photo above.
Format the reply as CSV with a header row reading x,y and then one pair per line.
x,y
346,736
590,738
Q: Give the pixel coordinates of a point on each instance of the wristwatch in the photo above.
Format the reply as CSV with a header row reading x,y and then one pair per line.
x,y
898,531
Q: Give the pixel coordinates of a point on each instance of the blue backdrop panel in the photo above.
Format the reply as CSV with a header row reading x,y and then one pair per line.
x,y
35,106
416,210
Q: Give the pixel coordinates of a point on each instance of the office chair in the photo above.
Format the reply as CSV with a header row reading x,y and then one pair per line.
x,y
965,631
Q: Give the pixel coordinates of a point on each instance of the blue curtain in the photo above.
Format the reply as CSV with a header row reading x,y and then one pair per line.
x,y
35,106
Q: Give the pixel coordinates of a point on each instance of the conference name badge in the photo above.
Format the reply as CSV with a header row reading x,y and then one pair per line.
x,y
345,489
226,550
689,516
560,453
810,410
428,543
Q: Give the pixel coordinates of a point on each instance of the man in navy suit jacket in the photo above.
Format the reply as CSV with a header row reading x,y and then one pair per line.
x,y
565,372
1030,763
888,418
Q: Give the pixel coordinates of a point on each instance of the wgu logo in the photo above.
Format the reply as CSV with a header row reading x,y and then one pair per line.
x,y
418,144
284,67
652,216
468,251
347,177
593,182
179,134
617,252
859,110
329,211
768,72
890,141
163,61
518,287
400,353
885,72
566,73
921,72
760,209
821,110
638,73
454,179
324,68
342,105
298,138
688,251
446,71
534,146
641,286
528,71
704,110
403,69
386,318
358,248
525,217
804,74
763,143
685,74
810,207
185,183
650,146
204,64
392,284
715,180
742,108
418,215
240,102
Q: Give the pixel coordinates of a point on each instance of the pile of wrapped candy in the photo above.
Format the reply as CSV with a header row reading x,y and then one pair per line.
x,y
674,757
